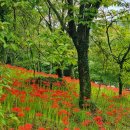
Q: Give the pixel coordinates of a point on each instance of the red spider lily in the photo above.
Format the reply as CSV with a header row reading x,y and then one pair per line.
x,y
58,84
109,113
88,113
75,94
99,123
21,114
67,104
115,111
25,127
16,83
65,120
14,92
22,93
22,99
86,122
41,128
117,97
21,128
56,99
28,126
46,83
66,128
98,120
63,112
39,114
27,108
16,109
55,105
104,95
111,106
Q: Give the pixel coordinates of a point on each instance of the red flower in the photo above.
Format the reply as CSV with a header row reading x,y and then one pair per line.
x,y
21,114
88,113
66,128
21,128
28,126
16,109
98,118
16,83
38,114
27,108
25,127
86,122
55,105
62,112
65,120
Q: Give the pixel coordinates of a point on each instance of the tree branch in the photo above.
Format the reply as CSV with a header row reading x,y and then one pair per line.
x,y
125,54
57,14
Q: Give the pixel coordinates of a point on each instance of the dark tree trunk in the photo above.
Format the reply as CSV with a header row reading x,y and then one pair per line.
x,y
59,73
8,61
83,64
120,80
68,71
83,68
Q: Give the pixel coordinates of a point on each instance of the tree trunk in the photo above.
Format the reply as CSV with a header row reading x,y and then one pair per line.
x,y
59,73
8,60
83,65
120,80
68,71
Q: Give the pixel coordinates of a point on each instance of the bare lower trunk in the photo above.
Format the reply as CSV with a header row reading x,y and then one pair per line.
x,y
59,73
85,86
120,80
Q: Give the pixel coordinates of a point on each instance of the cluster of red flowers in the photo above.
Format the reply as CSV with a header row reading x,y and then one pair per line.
x,y
25,127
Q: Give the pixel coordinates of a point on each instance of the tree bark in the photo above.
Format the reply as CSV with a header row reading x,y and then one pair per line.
x,y
59,73
120,79
83,65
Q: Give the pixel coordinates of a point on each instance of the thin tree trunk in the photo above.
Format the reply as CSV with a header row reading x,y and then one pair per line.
x,y
120,80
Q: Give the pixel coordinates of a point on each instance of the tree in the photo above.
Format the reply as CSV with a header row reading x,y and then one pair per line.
x,y
115,43
79,32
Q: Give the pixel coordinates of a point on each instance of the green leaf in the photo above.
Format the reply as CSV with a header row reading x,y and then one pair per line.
x,y
2,40
5,45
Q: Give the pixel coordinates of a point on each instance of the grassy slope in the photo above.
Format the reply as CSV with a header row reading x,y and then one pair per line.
x,y
57,109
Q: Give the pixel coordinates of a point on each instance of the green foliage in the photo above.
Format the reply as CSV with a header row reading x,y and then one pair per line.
x,y
4,81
